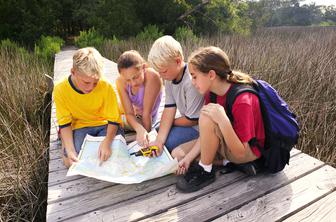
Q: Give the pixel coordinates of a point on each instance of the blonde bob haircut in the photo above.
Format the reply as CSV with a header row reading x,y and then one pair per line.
x,y
165,49
88,61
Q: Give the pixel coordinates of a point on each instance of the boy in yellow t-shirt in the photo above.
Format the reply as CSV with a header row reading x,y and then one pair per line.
x,y
86,104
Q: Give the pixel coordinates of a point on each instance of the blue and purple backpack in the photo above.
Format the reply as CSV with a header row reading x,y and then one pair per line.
x,y
281,126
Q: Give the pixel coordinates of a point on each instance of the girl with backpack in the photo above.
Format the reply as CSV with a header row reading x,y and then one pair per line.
x,y
221,136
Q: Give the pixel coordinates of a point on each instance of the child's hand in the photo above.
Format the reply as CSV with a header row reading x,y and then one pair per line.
x,y
159,151
72,156
183,166
142,138
104,151
214,111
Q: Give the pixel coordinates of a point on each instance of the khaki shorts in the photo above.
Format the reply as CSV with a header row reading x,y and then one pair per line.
x,y
224,152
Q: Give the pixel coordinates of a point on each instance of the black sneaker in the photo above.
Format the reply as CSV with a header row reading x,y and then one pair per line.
x,y
247,168
195,179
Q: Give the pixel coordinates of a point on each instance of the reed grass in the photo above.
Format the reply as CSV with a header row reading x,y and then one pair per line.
x,y
23,136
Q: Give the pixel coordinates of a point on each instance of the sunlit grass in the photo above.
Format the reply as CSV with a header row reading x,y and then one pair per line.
x,y
23,136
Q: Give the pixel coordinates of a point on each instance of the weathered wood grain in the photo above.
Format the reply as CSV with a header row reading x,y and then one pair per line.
x,y
227,198
287,200
105,197
151,204
58,177
70,189
322,210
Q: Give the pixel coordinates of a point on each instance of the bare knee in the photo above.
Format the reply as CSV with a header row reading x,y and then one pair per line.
x,y
178,153
206,122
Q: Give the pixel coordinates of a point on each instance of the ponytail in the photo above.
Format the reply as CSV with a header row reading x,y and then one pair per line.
x,y
239,77
213,58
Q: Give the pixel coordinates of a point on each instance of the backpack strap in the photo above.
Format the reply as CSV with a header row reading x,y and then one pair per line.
x,y
235,91
213,97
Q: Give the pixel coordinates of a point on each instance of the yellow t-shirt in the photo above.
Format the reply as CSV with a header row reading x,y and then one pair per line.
x,y
96,108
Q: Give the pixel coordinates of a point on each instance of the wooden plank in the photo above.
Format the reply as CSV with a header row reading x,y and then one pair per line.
x,y
322,210
55,154
55,144
105,197
236,195
287,200
58,177
152,204
82,186
56,165
294,152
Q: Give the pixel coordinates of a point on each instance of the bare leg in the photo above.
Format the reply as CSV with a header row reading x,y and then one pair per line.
x,y
182,150
209,140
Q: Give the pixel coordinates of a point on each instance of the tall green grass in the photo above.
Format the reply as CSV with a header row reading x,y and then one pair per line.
x,y
23,137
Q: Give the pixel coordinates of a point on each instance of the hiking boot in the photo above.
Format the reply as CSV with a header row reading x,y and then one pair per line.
x,y
195,179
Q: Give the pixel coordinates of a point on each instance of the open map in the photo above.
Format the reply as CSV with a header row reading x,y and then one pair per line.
x,y
121,167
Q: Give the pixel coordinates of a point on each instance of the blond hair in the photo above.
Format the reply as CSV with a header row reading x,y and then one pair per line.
x,y
88,61
131,58
214,58
164,50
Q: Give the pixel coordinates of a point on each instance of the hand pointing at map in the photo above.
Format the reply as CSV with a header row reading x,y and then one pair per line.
x,y
104,151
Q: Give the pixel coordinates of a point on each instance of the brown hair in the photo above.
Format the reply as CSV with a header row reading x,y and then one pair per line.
x,y
129,59
213,58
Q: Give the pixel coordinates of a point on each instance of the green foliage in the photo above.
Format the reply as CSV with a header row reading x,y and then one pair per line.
x,y
222,16
12,48
117,18
149,33
26,21
163,13
185,33
89,38
327,23
48,46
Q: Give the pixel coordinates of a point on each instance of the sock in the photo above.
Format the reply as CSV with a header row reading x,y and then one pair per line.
x,y
207,168
225,162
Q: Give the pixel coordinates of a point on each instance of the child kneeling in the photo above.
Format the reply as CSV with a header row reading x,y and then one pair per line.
x,y
212,74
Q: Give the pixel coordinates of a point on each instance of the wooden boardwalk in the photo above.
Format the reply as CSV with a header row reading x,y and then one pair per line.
x,y
304,191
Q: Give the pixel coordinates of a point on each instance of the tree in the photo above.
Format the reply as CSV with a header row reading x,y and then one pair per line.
x,y
116,18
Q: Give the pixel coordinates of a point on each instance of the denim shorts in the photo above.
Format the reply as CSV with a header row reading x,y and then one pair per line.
x,y
179,135
80,134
